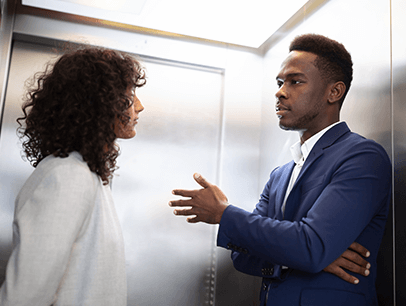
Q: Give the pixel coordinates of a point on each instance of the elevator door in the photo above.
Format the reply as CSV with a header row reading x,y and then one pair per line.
x,y
169,262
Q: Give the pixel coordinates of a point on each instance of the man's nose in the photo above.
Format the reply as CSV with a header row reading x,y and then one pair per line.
x,y
281,92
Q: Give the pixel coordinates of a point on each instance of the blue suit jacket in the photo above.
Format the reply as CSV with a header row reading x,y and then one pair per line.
x,y
341,195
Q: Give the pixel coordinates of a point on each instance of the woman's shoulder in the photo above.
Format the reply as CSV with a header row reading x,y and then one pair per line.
x,y
63,171
61,178
71,166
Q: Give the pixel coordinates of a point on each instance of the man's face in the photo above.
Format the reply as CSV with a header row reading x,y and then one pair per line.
x,y
302,95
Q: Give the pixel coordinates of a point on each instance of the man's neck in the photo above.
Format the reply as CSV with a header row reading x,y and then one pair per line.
x,y
305,136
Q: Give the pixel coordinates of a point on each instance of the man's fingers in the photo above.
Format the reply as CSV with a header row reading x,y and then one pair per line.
x,y
350,266
184,192
201,180
336,270
359,249
180,203
193,219
190,212
356,258
184,212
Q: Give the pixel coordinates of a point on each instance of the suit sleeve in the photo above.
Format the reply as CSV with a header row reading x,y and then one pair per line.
x,y
358,190
46,225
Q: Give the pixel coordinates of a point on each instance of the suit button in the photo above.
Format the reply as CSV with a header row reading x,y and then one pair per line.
x,y
229,245
267,271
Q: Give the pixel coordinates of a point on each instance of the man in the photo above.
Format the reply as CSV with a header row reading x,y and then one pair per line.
x,y
336,191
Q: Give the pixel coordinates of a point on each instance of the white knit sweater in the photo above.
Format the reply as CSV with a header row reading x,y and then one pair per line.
x,y
68,243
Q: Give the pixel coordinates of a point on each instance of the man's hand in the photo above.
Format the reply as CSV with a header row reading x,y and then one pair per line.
x,y
207,204
351,260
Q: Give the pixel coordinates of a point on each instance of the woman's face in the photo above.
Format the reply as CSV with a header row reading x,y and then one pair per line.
x,y
127,130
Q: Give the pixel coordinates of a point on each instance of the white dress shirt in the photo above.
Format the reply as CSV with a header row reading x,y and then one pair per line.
x,y
299,155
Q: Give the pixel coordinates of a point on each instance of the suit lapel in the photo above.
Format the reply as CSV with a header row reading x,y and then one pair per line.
x,y
325,141
280,192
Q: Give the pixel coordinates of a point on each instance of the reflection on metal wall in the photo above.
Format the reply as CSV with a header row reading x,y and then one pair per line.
x,y
364,29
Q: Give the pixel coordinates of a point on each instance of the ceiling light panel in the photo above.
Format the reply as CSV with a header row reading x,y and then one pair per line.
x,y
230,21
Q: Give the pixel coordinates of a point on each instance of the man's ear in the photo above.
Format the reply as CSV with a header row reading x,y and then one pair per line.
x,y
336,92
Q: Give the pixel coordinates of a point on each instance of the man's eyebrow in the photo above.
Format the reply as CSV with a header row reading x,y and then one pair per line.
x,y
291,75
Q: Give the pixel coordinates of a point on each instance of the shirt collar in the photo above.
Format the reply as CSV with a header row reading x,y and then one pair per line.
x,y
301,152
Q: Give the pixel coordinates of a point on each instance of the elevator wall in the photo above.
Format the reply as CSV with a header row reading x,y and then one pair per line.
x,y
209,108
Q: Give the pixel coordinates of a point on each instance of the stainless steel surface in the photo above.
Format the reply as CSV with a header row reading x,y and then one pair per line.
x,y
178,133
6,32
13,170
399,143
239,165
224,127
261,17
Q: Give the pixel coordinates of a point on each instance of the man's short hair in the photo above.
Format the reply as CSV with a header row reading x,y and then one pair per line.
x,y
333,60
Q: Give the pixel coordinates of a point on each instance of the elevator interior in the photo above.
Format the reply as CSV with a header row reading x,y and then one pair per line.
x,y
209,108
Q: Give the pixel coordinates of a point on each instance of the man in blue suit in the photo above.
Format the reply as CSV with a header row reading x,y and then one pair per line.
x,y
335,191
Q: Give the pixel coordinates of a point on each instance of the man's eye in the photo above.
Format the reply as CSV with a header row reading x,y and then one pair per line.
x,y
295,82
280,84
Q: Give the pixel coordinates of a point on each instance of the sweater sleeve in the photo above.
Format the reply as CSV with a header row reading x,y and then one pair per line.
x,y
49,216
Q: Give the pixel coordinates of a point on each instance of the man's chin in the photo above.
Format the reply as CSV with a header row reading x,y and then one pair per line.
x,y
286,127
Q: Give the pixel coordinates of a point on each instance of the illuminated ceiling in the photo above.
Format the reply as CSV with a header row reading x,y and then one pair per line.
x,y
246,23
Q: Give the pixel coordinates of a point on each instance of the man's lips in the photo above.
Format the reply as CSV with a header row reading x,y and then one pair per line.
x,y
281,109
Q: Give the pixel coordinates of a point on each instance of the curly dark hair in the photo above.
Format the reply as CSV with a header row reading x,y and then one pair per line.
x,y
333,60
73,106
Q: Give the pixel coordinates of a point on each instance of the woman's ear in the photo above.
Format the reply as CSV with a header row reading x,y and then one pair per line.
x,y
337,91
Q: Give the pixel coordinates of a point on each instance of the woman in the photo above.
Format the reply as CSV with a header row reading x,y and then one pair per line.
x,y
68,244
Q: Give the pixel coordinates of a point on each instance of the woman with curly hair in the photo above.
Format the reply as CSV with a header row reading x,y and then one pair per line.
x,y
68,243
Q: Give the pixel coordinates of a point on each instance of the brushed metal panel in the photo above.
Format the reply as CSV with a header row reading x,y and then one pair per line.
x,y
6,28
13,170
399,142
6,33
240,165
169,261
